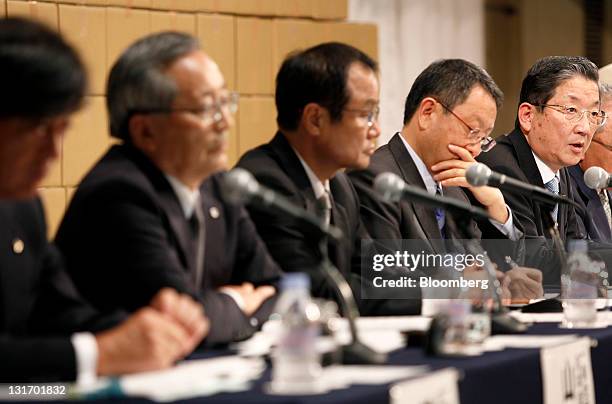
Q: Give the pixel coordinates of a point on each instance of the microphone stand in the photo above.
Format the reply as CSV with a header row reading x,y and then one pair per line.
x,y
355,353
501,321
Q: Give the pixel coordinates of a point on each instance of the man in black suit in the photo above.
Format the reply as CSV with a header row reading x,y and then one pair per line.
x,y
595,204
327,103
449,113
150,213
558,113
47,331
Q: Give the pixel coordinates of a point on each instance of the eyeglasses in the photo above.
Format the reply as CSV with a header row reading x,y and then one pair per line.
x,y
486,142
607,146
372,114
573,114
211,113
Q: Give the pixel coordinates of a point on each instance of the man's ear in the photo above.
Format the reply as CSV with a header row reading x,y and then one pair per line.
x,y
425,112
525,115
312,118
140,133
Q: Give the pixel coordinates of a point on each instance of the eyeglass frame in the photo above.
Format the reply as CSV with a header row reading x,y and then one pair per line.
x,y
216,107
566,114
372,114
486,143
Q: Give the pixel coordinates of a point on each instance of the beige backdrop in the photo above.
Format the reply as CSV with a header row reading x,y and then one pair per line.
x,y
248,38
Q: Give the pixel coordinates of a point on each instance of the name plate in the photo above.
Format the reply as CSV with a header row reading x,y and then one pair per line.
x,y
567,374
439,387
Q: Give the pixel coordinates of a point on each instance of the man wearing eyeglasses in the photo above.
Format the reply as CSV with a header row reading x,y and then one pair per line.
x,y
150,213
327,103
449,113
559,111
595,204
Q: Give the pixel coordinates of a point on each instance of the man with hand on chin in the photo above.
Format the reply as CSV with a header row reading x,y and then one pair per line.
x,y
449,113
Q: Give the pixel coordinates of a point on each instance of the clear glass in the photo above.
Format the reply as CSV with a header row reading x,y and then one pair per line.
x,y
579,283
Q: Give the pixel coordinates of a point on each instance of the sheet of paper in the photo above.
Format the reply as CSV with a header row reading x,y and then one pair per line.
x,y
194,378
567,374
499,342
435,387
603,317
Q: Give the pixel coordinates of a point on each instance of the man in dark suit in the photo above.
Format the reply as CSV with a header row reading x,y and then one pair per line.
x,y
558,114
449,113
47,330
327,103
595,203
150,213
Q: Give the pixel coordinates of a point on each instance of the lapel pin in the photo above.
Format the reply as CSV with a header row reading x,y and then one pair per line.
x,y
214,212
18,246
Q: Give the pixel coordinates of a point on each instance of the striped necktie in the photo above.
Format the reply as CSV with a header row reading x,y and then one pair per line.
x,y
605,202
553,186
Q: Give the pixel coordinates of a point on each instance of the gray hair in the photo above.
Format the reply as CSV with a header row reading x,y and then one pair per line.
x,y
137,81
605,95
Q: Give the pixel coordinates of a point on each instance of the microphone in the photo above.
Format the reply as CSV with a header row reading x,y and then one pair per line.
x,y
479,174
597,178
239,186
393,188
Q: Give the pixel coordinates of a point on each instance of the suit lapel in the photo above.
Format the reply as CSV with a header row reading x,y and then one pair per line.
x,y
170,205
291,164
425,215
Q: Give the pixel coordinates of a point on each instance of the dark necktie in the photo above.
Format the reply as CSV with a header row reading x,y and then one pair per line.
x,y
197,227
440,215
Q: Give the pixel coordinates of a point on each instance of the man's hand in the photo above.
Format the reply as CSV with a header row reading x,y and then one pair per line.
x,y
251,296
451,173
147,340
186,312
526,284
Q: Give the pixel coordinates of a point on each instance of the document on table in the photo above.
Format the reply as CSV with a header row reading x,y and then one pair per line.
x,y
193,378
383,334
499,342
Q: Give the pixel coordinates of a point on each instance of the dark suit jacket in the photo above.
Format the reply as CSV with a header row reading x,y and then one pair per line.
x,y
513,156
405,219
125,236
39,306
276,166
591,212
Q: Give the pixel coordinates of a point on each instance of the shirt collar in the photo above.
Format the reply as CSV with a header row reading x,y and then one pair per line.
x,y
428,180
318,187
187,197
545,172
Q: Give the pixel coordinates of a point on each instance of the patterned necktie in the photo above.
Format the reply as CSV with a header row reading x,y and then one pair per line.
x,y
605,202
440,214
553,186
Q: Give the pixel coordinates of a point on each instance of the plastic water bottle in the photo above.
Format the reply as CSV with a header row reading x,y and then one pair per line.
x,y
296,363
579,287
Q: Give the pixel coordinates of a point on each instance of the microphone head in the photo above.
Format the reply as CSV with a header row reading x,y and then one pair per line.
x,y
389,186
478,174
596,178
239,185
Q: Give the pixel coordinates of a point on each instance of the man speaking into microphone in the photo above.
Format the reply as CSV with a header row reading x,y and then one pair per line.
x,y
150,213
558,113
